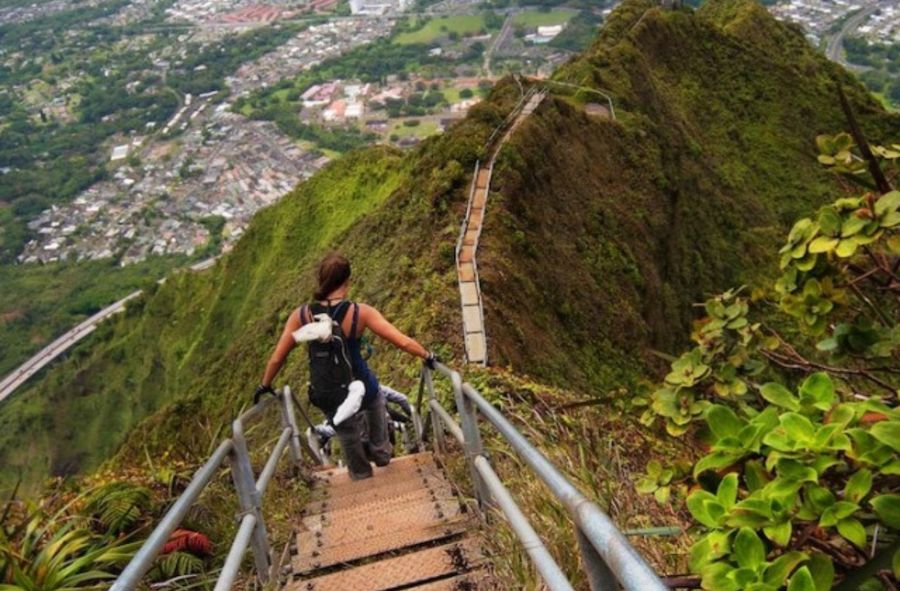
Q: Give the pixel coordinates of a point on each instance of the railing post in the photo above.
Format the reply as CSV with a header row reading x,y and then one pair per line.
x,y
289,420
599,576
437,428
251,502
474,448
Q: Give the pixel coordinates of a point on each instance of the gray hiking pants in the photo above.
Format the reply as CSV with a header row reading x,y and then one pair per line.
x,y
364,439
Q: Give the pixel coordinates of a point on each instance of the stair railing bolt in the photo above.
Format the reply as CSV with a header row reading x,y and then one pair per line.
x,y
250,500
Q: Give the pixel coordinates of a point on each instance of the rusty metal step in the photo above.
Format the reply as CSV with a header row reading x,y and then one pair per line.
x,y
401,571
339,483
361,496
378,502
372,539
467,582
466,272
482,179
335,531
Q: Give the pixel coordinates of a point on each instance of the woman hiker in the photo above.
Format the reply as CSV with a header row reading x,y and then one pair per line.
x,y
341,353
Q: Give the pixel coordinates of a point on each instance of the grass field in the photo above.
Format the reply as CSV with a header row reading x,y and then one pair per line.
x,y
536,18
463,24
422,130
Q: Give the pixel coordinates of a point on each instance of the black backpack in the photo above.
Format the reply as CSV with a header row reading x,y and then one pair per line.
x,y
330,368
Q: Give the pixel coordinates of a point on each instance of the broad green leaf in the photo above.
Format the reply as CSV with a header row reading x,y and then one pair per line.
x,y
887,507
841,415
797,427
755,475
662,494
748,549
846,247
887,202
717,460
829,221
795,470
822,570
744,577
727,491
888,433
722,421
709,548
818,391
823,244
858,486
781,568
779,396
715,576
645,486
891,469
779,534
895,564
852,530
696,504
802,581
840,510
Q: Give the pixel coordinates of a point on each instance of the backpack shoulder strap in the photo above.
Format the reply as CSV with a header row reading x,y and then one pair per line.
x,y
355,320
302,313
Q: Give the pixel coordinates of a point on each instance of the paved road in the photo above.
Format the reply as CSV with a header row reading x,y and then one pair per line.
x,y
499,40
836,43
19,376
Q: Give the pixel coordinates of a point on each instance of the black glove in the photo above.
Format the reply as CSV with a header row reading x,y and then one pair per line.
x,y
431,360
260,390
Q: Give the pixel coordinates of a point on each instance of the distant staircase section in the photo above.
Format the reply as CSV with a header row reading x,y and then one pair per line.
x,y
466,264
404,528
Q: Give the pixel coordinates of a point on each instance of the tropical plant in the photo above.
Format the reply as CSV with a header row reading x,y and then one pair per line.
x,y
801,478
54,551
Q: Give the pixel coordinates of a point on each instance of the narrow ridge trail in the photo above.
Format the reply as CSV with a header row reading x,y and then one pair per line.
x,y
405,528
466,263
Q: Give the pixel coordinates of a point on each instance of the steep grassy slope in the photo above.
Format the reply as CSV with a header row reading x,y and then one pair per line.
x,y
603,233
200,341
599,237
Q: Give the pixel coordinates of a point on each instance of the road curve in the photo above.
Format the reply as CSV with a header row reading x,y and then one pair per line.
x,y
836,43
20,375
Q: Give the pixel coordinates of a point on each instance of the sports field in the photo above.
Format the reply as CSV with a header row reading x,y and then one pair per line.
x,y
463,24
537,18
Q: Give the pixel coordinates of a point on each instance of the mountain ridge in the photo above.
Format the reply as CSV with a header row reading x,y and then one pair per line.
x,y
659,216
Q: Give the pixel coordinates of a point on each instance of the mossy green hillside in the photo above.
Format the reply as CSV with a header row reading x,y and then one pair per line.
x,y
197,344
601,234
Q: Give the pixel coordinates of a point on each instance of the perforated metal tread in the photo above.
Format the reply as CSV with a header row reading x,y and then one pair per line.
x,y
401,571
311,557
384,501
339,483
380,533
469,582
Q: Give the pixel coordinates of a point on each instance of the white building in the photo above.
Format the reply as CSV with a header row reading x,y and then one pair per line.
x,y
379,7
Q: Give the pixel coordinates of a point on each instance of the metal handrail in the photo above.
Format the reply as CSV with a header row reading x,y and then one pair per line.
x,y
608,557
252,530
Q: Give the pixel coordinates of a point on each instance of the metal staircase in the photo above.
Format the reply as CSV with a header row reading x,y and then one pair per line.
x,y
474,332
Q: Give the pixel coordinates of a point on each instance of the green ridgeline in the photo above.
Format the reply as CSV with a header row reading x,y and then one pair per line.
x,y
598,239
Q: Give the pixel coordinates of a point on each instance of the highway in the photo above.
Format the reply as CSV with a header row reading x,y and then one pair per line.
x,y
836,43
19,376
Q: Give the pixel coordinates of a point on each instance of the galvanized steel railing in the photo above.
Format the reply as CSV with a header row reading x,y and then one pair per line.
x,y
608,558
250,489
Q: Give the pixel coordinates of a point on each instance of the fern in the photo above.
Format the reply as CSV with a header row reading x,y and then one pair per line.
x,y
118,506
176,564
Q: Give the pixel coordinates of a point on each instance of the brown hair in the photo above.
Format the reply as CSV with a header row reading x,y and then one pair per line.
x,y
334,271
